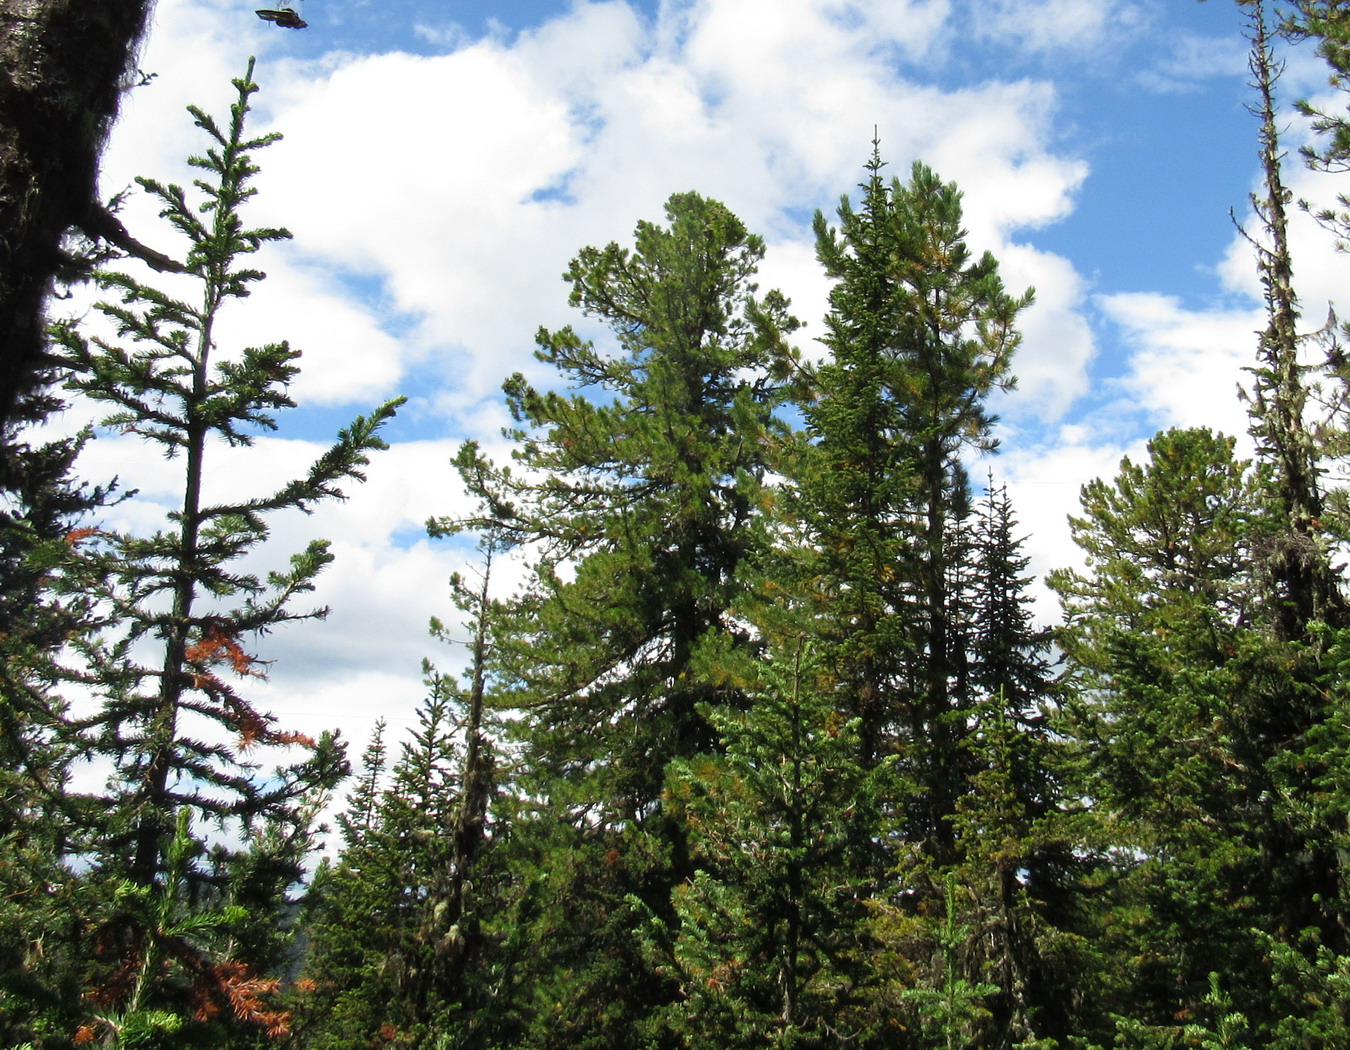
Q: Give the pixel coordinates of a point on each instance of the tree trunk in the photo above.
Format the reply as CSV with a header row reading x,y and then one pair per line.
x,y
64,65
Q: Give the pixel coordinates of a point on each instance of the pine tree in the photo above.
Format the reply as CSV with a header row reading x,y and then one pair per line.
x,y
637,495
920,333
1184,696
165,723
1302,582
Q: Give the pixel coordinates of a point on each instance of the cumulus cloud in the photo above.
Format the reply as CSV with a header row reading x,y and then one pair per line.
x,y
1185,365
437,197
1044,481
1058,345
457,185
1059,25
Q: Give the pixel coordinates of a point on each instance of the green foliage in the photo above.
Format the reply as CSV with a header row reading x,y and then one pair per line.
x,y
165,982
1167,543
404,934
646,494
179,588
1327,22
920,333
1168,672
948,1011
770,939
787,761
638,496
178,876
43,502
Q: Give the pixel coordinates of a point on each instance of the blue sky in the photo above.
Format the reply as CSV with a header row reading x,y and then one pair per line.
x,y
443,160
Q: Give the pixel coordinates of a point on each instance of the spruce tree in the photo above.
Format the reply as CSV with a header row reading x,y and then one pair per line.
x,y
353,918
404,941
1297,379
1021,852
367,961
173,613
772,944
39,824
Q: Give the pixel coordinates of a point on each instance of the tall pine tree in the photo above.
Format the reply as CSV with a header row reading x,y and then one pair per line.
x,y
920,333
637,496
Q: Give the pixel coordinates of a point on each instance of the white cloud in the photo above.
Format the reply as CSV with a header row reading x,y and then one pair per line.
x,y
424,174
1058,25
346,356
1185,365
1188,361
790,266
1057,342
1044,483
435,201
1191,59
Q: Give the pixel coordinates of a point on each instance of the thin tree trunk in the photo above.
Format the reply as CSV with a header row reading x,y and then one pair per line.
x,y
1299,566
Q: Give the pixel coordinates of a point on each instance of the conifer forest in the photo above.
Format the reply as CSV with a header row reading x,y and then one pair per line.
x,y
768,748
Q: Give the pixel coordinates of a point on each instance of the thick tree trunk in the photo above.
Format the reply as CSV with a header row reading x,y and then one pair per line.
x,y
62,67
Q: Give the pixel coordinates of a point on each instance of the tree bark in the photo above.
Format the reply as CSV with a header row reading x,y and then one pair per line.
x,y
63,65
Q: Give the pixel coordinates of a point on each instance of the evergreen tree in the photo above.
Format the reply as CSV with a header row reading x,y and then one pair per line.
x,y
992,947
1021,851
403,939
912,622
772,942
637,495
351,922
1185,697
38,824
1303,838
920,333
1302,583
1327,22
164,722
366,960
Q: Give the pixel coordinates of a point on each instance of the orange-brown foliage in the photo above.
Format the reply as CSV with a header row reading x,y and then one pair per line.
x,y
220,645
233,984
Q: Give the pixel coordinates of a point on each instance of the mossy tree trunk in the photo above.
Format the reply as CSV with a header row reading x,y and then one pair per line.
x,y
64,64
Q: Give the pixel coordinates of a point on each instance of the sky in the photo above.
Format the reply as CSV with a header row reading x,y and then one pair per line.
x,y
442,161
